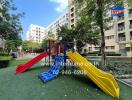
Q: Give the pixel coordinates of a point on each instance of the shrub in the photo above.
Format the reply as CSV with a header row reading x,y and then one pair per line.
x,y
111,54
4,54
4,63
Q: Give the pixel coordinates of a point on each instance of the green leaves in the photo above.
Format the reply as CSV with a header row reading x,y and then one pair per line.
x,y
51,35
66,35
130,2
30,45
10,26
12,44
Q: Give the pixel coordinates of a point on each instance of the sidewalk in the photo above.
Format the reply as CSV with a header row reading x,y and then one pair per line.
x,y
127,79
27,56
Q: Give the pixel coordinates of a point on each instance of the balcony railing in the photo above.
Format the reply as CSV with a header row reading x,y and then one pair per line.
x,y
130,26
120,18
130,15
122,38
121,28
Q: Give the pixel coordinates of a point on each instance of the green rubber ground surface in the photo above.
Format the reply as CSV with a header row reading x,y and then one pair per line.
x,y
27,86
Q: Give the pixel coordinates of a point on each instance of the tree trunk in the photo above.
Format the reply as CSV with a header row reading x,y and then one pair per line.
x,y
101,25
75,45
103,47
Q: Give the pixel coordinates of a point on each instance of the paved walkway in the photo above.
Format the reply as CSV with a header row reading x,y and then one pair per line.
x,y
27,56
128,81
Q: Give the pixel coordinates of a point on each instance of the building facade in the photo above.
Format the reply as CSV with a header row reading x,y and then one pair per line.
x,y
36,33
118,37
54,26
72,13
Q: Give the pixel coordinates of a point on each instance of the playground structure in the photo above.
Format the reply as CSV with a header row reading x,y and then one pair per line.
x,y
103,80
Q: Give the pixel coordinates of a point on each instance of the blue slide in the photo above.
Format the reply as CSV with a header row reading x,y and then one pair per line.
x,y
53,72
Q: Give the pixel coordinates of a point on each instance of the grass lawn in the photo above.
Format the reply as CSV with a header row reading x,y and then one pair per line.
x,y
27,86
14,63
5,57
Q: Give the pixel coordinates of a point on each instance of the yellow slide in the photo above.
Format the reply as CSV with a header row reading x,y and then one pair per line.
x,y
104,80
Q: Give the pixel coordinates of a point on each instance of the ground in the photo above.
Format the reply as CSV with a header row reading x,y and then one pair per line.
x,y
27,86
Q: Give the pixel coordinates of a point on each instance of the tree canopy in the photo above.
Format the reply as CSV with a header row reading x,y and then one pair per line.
x,y
95,15
30,46
10,25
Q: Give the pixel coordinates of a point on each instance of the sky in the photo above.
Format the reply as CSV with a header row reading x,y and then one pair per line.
x,y
40,12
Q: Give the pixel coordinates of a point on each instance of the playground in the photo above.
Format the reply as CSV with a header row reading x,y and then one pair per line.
x,y
84,54
30,80
74,87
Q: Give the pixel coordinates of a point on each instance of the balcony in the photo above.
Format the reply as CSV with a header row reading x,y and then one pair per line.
x,y
72,9
130,15
121,28
120,18
72,15
130,26
120,39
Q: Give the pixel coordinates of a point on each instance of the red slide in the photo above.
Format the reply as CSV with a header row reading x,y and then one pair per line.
x,y
23,67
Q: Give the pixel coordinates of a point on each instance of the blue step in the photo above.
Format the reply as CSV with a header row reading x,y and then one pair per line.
x,y
53,72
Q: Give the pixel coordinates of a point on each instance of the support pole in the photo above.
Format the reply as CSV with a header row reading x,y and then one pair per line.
x,y
49,52
46,51
57,49
65,49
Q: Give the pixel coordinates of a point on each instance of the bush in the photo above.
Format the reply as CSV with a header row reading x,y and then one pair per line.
x,y
97,53
120,68
111,54
4,63
4,54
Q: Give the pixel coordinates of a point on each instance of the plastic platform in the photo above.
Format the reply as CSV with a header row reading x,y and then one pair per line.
x,y
53,72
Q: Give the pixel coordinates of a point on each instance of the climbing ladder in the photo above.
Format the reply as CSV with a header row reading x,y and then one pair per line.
x,y
53,72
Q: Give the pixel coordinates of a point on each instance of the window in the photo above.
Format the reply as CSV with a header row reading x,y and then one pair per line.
x,y
120,18
110,47
97,48
109,28
130,13
109,37
72,25
122,37
131,35
72,21
130,25
72,9
121,26
72,15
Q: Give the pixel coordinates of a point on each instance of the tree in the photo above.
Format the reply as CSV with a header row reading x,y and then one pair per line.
x,y
130,2
85,34
78,36
51,35
66,35
44,43
10,25
98,9
9,22
4,7
30,46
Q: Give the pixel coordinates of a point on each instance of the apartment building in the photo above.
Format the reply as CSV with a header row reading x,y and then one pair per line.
x,y
124,32
54,26
118,37
36,33
72,13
